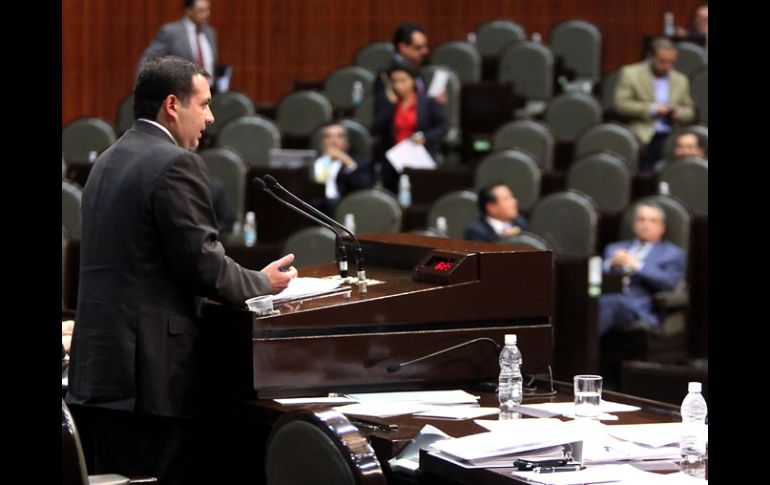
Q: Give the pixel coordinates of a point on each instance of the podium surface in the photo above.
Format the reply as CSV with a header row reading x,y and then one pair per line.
x,y
435,293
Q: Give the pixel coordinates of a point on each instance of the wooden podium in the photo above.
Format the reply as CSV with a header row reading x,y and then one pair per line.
x,y
435,293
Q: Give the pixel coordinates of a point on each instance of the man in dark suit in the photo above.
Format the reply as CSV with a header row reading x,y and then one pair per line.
x,y
191,38
337,170
649,263
149,253
500,217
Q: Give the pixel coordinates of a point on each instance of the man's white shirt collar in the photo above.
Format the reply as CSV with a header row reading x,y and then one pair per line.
x,y
161,127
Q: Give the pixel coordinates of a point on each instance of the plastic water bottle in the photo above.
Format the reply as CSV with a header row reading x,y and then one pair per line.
x,y
509,389
92,156
404,191
693,444
663,188
250,230
668,24
536,38
358,93
441,226
350,222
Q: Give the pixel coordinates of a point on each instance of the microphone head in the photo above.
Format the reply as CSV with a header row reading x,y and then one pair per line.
x,y
259,183
394,368
271,181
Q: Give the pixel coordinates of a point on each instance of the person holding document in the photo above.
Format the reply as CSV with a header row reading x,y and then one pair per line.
x,y
406,116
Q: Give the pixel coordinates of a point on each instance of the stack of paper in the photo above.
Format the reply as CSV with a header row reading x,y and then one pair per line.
x,y
303,287
385,404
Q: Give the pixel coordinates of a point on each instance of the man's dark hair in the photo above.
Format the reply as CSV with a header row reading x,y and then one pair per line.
x,y
404,33
188,3
160,77
661,43
486,195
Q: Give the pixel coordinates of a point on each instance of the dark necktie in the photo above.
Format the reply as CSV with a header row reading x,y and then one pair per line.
x,y
198,44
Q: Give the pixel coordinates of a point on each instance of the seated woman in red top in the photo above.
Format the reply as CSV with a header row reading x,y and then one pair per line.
x,y
407,115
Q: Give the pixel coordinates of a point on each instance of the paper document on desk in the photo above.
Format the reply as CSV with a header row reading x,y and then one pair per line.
x,y
516,439
304,287
423,397
650,434
408,461
624,474
457,412
314,400
383,409
409,154
568,408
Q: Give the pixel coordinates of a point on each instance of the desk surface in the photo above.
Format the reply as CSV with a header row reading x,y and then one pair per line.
x,y
434,470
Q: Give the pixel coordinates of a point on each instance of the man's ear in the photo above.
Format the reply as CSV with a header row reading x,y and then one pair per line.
x,y
171,107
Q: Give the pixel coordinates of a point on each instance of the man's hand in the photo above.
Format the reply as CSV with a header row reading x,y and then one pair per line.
x,y
661,110
337,154
280,272
623,259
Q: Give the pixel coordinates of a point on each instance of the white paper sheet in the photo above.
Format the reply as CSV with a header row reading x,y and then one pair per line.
x,y
409,154
315,400
304,287
457,412
651,434
383,409
424,397
438,83
568,408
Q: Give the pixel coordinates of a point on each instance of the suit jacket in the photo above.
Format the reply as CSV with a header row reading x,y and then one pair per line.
x,y
149,251
663,269
172,39
358,179
481,230
635,94
430,121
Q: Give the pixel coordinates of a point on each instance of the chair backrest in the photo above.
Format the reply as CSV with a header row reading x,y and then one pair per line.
x,y
319,446
603,177
452,106
71,197
579,44
677,220
364,112
459,208
311,245
607,90
529,66
612,137
338,86
84,136
700,131
251,137
567,220
528,135
228,167
526,239
301,112
462,57
358,136
570,113
73,465
515,168
494,36
126,114
376,56
228,106
699,89
688,180
374,210
690,58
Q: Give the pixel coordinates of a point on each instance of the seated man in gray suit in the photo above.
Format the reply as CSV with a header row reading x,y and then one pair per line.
x,y
500,217
649,263
190,38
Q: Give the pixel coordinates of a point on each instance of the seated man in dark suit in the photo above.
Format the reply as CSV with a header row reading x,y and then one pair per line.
x,y
340,173
650,264
501,215
686,145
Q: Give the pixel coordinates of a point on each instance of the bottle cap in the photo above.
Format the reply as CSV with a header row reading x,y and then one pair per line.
x,y
510,339
694,387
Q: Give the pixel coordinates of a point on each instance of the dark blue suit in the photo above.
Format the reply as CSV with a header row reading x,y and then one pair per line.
x,y
481,230
663,268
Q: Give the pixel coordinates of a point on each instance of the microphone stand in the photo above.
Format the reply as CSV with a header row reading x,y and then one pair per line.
x,y
341,256
273,184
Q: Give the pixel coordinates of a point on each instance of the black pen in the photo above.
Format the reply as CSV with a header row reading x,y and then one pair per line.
x,y
373,425
554,469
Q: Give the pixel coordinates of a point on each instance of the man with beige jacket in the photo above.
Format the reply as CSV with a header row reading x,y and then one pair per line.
x,y
655,98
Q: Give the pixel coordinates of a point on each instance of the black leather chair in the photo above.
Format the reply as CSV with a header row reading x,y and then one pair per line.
x,y
319,446
669,341
73,465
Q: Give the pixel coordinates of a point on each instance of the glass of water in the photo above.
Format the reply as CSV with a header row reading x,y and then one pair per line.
x,y
588,396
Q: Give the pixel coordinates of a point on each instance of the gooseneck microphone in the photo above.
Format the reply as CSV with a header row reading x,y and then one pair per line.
x,y
273,184
396,367
342,255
